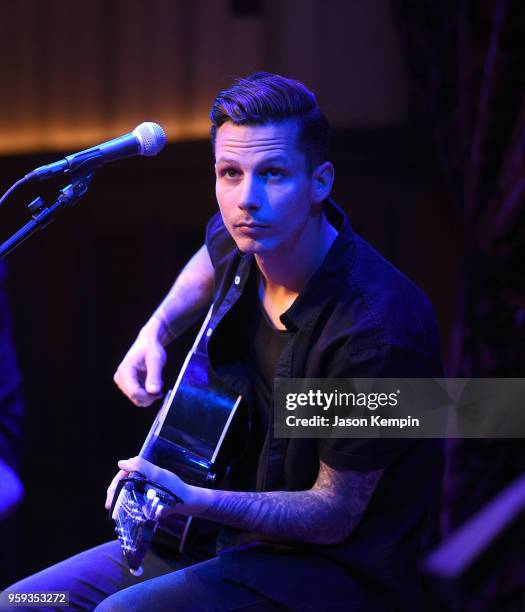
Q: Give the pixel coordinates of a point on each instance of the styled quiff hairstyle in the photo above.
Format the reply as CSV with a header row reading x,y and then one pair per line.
x,y
263,98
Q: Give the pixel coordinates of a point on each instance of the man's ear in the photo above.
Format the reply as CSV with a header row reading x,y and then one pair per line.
x,y
322,181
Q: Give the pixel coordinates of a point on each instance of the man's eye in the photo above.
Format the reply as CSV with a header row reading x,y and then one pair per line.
x,y
230,173
274,172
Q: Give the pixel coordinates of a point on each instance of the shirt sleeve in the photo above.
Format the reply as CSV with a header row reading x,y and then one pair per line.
x,y
366,454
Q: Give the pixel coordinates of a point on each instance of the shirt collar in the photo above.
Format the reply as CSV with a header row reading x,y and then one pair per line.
x,y
328,280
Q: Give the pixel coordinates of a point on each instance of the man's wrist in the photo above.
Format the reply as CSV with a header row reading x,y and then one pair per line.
x,y
199,499
157,327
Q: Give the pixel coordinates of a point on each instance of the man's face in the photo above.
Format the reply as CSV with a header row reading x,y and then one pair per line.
x,y
263,186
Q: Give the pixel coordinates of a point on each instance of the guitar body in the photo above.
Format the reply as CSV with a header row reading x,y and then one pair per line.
x,y
187,438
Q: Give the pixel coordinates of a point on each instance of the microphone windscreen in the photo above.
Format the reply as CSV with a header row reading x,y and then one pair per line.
x,y
151,137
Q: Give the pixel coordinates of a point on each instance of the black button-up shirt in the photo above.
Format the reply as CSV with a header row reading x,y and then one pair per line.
x,y
358,316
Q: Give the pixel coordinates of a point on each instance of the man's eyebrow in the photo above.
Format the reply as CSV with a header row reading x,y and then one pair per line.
x,y
279,159
226,160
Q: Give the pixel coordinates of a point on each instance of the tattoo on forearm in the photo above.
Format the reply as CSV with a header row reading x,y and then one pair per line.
x,y
325,514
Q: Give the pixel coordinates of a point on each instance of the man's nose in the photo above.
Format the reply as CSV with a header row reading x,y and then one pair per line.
x,y
249,196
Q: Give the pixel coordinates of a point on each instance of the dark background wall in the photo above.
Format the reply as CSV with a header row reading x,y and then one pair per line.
x,y
81,289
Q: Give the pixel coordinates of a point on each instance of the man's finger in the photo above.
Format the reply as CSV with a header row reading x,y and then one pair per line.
x,y
136,464
128,381
112,487
140,465
154,364
143,399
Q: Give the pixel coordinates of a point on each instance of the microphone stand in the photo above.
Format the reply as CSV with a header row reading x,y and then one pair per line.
x,y
42,215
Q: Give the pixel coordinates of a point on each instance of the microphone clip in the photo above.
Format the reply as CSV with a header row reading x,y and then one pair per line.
x,y
80,180
42,215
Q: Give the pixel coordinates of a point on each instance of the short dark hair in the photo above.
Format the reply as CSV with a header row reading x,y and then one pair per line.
x,y
263,98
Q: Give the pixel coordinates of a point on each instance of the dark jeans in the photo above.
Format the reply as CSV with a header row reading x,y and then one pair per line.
x,y
98,578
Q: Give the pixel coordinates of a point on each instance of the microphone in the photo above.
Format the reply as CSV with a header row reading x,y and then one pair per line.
x,y
146,139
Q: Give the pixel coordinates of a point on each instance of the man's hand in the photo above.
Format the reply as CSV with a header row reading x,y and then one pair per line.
x,y
139,376
194,498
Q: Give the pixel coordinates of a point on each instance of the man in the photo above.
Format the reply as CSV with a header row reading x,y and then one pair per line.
x,y
313,524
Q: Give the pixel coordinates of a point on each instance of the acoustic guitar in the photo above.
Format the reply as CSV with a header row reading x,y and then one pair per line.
x,y
187,438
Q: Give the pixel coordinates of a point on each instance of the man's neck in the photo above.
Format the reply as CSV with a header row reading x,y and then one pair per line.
x,y
284,274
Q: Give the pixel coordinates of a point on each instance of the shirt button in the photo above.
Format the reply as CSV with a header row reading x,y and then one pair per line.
x,y
208,332
237,280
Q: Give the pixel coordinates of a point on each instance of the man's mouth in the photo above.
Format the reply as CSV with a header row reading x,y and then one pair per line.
x,y
250,224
